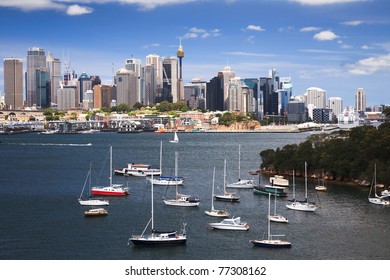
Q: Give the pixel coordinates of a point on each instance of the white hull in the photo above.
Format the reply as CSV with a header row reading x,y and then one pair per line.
x,y
230,224
94,202
321,188
174,202
217,213
277,218
378,201
301,206
242,184
164,182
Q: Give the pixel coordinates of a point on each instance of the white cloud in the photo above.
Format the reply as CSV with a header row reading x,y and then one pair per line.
x,y
153,45
368,66
240,53
309,29
324,2
196,32
32,5
76,10
326,36
353,22
150,4
365,47
251,39
254,28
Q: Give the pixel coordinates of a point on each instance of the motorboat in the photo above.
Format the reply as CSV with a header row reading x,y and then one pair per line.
x,y
231,224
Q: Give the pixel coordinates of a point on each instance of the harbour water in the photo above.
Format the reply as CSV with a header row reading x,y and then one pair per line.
x,y
42,177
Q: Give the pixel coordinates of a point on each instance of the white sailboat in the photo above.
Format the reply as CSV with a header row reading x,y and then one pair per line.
x,y
226,196
175,138
379,200
91,201
181,199
321,187
215,212
156,237
301,205
277,217
270,242
166,180
112,189
241,183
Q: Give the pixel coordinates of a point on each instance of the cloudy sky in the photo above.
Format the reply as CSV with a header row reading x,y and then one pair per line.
x,y
337,45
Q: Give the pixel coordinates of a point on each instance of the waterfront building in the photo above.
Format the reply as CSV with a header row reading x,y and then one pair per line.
x,y
36,58
84,84
195,94
321,115
226,74
348,118
153,74
88,100
336,105
55,75
67,95
360,100
214,94
43,85
135,65
13,83
253,84
296,111
126,87
170,81
316,96
240,97
103,96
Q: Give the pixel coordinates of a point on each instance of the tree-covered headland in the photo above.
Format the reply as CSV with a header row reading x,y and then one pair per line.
x,y
347,156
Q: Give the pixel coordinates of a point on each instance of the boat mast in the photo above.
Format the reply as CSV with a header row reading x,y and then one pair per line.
x,y
152,205
294,184
110,166
212,194
161,159
224,177
269,213
306,181
239,161
176,157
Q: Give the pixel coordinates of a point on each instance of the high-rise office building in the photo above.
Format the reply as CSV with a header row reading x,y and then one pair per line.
x,y
43,88
316,97
135,65
55,76
153,75
13,83
336,105
126,87
195,94
84,85
253,84
240,98
227,74
214,94
360,100
170,79
36,58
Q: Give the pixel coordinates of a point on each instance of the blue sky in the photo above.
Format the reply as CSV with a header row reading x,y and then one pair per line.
x,y
337,45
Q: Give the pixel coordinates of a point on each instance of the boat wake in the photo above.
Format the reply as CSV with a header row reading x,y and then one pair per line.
x,y
52,144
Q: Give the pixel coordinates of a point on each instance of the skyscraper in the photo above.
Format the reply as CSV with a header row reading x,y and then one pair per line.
x,y
126,87
13,83
170,80
55,75
134,64
336,104
360,100
316,96
36,58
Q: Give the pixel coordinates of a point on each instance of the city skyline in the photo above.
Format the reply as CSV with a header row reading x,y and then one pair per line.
x,y
336,45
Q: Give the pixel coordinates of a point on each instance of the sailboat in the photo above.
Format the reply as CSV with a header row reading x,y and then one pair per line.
x,y
226,196
380,200
321,187
270,242
277,217
215,212
241,183
156,237
301,205
91,201
181,199
175,138
112,189
166,180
